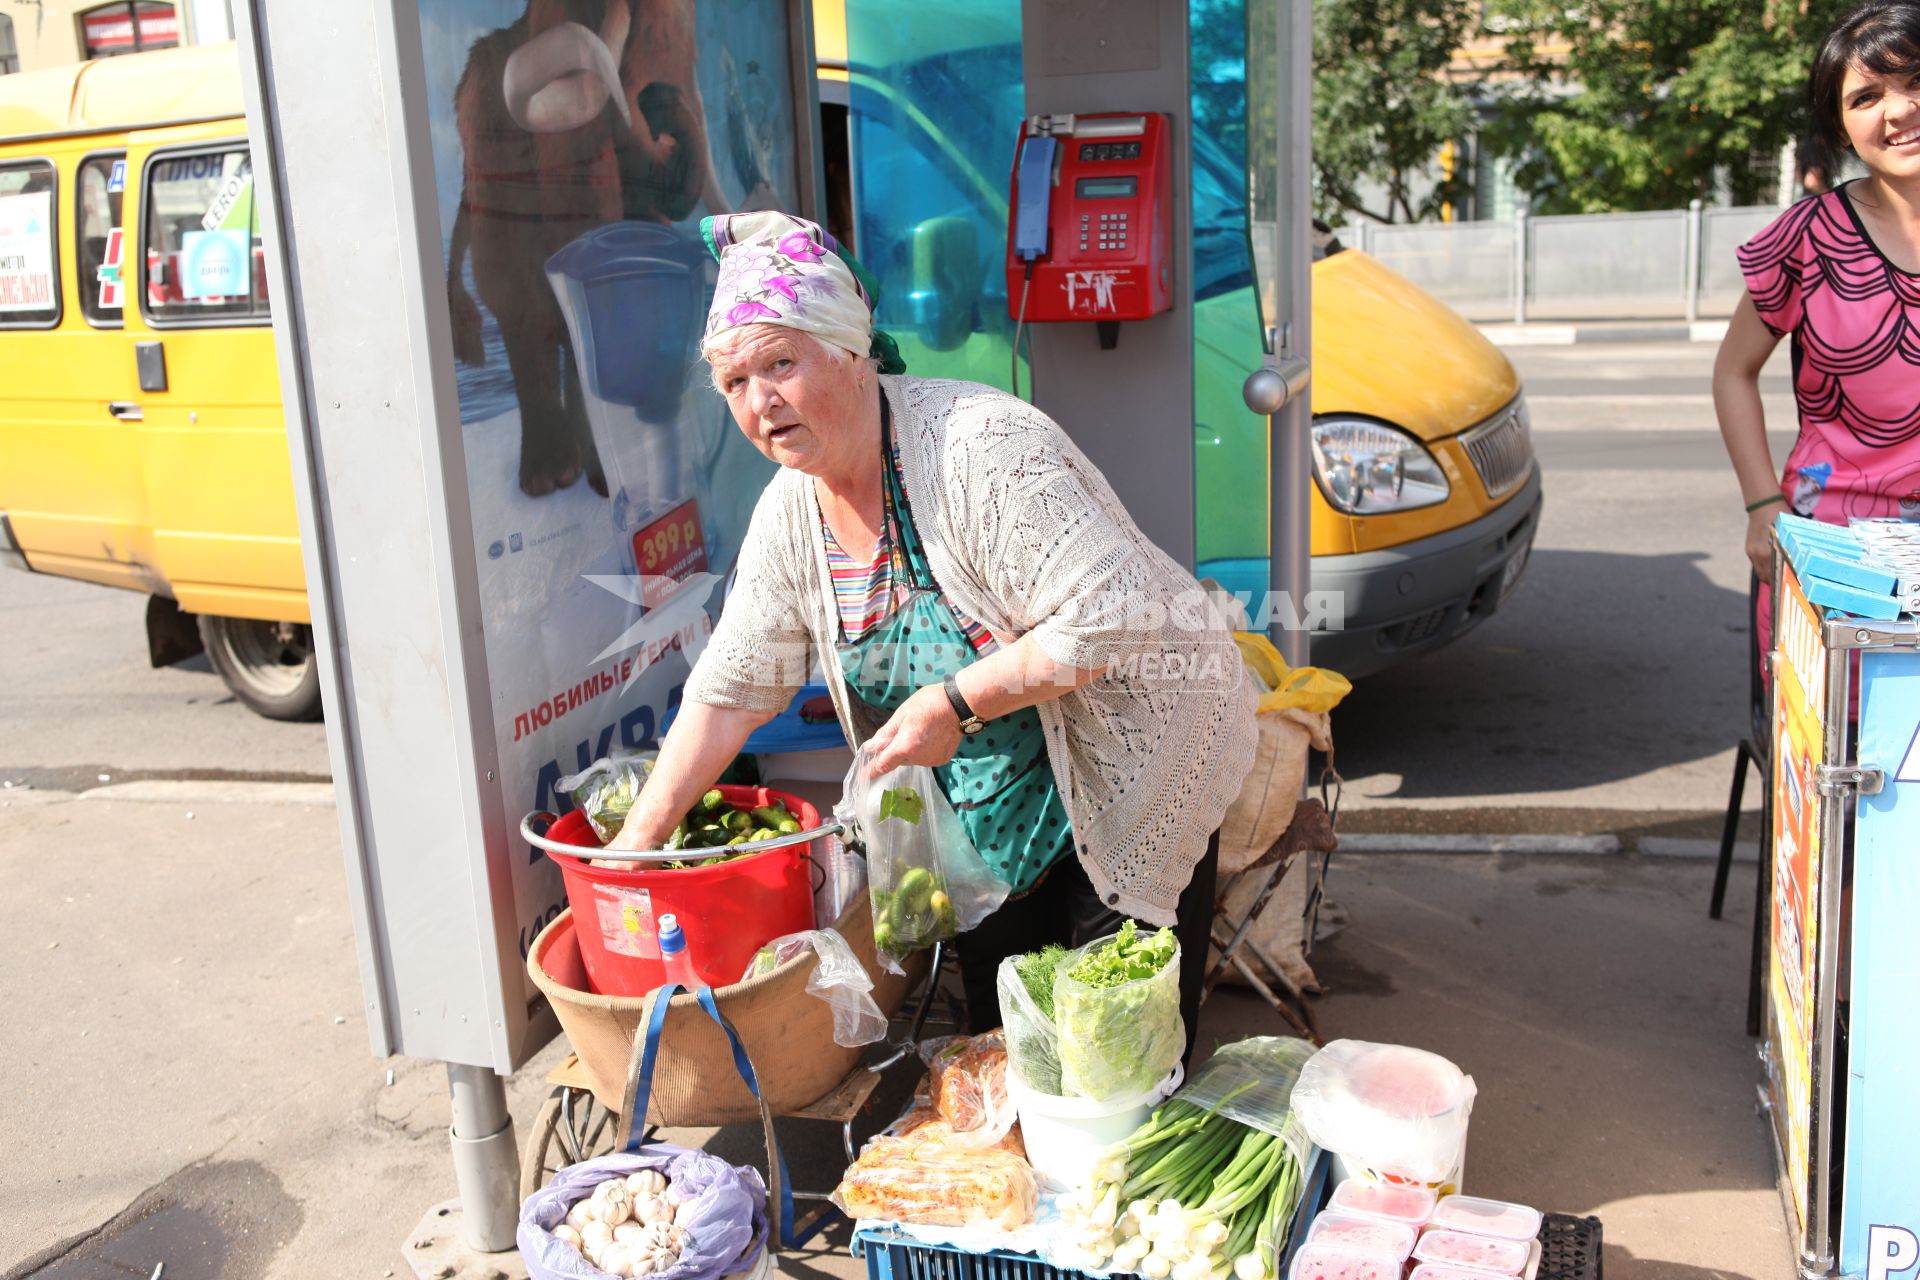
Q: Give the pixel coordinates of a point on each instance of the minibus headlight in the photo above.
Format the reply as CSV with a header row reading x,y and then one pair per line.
x,y
1367,468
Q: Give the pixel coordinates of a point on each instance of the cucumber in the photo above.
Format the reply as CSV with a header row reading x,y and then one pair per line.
x,y
916,889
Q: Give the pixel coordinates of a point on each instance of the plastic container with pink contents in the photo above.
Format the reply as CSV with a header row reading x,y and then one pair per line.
x,y
1411,1205
1487,1217
1447,1271
1358,1231
1316,1261
1483,1253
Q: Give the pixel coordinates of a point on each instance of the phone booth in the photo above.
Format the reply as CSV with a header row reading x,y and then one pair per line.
x,y
1086,227
520,499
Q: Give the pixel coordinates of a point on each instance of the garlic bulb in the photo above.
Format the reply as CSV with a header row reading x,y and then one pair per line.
x,y
649,1208
634,1232
646,1182
671,1194
643,1264
583,1212
568,1234
683,1214
661,1236
616,1260
615,1202
594,1237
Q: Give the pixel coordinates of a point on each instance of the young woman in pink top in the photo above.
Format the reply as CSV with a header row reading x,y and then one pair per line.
x,y
1840,275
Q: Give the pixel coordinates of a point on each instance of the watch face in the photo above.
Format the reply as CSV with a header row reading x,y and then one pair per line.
x,y
973,726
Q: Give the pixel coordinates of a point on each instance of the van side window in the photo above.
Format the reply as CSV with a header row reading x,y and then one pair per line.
x,y
203,259
100,187
29,261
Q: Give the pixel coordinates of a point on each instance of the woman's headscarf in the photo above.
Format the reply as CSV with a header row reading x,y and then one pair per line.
x,y
779,269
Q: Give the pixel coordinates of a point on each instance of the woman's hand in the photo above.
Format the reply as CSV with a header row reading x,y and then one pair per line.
x,y
1760,540
924,730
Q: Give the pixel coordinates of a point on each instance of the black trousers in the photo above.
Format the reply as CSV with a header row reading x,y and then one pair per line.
x,y
1063,908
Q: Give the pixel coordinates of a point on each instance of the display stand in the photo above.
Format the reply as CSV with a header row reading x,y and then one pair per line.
x,y
1841,1051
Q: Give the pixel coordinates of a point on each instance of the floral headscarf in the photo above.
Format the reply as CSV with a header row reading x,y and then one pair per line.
x,y
779,269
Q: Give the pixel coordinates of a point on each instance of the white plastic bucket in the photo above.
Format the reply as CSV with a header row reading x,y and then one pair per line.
x,y
1065,1136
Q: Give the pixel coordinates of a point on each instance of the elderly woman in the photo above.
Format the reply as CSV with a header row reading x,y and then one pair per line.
x,y
982,605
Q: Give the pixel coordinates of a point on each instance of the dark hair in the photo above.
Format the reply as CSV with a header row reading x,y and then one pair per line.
x,y
1881,35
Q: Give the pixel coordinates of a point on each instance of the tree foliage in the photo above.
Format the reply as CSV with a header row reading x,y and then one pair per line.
x,y
1635,104
1383,107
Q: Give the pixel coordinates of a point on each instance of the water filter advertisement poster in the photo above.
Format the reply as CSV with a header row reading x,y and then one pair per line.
x,y
576,146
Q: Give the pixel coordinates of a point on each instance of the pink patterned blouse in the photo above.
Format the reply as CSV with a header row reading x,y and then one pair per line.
x,y
1816,276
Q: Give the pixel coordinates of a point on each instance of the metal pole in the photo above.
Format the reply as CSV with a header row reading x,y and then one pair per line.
x,y
1521,218
1692,258
1291,462
486,1165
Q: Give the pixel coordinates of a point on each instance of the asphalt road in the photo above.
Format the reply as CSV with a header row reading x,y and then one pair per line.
x,y
1611,687
1612,681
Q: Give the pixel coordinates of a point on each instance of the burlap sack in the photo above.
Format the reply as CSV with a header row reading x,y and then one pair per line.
x,y
1264,806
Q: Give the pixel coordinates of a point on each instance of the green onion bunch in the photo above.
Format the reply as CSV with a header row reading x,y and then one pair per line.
x,y
1192,1195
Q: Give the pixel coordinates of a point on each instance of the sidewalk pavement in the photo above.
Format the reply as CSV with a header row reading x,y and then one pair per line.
x,y
1559,333
189,1082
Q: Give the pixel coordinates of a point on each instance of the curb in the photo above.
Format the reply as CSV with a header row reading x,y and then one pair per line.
x,y
1745,851
163,791
1566,335
1365,842
1383,842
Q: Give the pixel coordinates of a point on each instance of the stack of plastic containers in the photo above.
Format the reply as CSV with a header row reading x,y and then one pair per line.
x,y
1375,1231
1366,1232
1472,1239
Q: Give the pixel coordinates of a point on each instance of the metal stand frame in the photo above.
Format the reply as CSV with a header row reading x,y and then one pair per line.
x,y
1311,832
1840,780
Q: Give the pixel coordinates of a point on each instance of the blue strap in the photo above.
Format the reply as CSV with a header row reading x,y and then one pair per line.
x,y
643,1089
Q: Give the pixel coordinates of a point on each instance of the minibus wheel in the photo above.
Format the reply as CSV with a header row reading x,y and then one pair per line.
x,y
268,665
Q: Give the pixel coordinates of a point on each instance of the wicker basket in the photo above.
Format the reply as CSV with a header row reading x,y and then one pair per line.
x,y
787,1032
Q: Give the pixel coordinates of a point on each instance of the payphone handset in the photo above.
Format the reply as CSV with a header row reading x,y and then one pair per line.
x,y
1088,234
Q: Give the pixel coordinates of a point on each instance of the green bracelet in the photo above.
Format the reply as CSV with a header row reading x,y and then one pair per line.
x,y
1761,502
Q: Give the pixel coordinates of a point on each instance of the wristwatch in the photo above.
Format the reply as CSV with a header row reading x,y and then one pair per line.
x,y
969,722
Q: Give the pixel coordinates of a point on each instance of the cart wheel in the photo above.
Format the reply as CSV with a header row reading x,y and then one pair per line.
x,y
269,665
571,1126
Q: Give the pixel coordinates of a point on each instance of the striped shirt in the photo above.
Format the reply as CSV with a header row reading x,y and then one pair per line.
x,y
864,595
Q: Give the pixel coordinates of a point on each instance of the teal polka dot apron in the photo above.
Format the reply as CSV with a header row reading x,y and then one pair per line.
x,y
999,782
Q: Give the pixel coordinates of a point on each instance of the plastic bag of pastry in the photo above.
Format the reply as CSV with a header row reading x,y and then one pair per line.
x,y
922,1120
968,1079
937,1183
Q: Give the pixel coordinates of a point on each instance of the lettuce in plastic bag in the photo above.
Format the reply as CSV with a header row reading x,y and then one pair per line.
x,y
1116,1003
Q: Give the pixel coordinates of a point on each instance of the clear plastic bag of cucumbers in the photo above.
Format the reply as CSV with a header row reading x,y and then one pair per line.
x,y
927,881
607,788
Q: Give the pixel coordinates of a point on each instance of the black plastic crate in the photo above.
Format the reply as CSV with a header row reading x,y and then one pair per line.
x,y
1569,1247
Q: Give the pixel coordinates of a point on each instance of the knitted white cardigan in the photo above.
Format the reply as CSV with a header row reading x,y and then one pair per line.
x,y
1025,535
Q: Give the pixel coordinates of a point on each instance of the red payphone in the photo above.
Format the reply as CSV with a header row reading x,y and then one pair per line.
x,y
1088,234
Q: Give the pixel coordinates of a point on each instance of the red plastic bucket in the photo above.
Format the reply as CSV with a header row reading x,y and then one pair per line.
x,y
728,910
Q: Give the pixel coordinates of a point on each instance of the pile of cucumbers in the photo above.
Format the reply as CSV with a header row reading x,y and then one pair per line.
x,y
715,824
915,913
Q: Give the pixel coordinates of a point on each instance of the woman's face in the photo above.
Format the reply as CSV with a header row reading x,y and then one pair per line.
x,y
1880,115
797,404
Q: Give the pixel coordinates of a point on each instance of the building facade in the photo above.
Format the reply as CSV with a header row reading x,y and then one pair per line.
x,y
52,33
